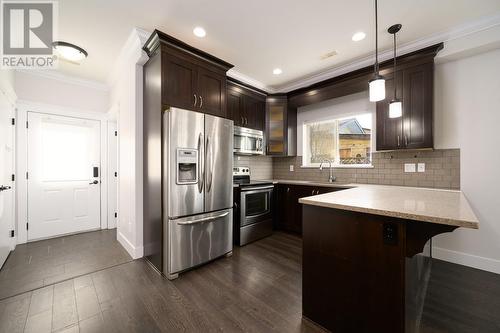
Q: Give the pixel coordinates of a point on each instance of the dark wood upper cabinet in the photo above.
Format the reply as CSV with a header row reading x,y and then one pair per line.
x,y
246,107
414,129
281,122
180,87
418,106
212,92
190,78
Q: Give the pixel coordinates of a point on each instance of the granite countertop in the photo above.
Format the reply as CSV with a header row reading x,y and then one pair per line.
x,y
414,203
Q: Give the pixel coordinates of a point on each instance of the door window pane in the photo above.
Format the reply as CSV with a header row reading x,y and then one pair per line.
x,y
65,151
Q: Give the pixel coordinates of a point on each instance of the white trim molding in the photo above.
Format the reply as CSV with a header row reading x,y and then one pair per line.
x,y
135,252
55,75
467,259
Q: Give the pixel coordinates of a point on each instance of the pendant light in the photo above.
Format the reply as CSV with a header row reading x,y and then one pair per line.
x,y
395,106
377,84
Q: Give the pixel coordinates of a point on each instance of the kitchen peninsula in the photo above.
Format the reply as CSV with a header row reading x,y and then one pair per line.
x,y
366,254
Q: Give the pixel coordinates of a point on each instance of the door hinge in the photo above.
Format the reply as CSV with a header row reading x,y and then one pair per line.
x,y
116,174
116,214
26,124
116,133
27,225
13,121
12,233
26,174
13,178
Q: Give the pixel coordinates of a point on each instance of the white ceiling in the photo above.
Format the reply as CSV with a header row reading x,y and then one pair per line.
x,y
257,36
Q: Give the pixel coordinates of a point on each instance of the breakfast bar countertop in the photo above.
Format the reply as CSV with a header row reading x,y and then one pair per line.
x,y
449,207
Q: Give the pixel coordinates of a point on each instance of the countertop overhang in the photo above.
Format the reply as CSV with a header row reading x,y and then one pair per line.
x,y
438,206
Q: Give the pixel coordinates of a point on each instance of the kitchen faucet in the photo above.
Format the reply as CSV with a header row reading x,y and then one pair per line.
x,y
332,178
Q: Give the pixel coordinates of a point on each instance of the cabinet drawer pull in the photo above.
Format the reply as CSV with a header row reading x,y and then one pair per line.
x,y
195,99
201,101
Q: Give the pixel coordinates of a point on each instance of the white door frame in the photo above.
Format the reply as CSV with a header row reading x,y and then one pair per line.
x,y
23,107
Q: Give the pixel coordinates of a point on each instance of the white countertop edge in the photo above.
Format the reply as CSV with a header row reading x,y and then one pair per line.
x,y
392,213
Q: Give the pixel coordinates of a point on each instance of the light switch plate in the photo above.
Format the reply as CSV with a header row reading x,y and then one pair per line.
x,y
421,167
291,167
409,167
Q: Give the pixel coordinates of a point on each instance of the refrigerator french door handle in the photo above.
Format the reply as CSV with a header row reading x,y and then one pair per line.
x,y
209,162
201,171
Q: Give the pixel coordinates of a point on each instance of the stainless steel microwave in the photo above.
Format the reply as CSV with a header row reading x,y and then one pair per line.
x,y
248,141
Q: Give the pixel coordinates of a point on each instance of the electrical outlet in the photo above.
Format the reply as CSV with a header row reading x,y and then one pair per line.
x,y
421,167
409,167
291,167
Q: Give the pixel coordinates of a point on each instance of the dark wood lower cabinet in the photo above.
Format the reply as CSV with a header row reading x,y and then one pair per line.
x,y
363,272
287,210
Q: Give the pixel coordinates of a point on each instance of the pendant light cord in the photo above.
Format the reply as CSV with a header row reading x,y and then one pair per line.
x,y
394,66
376,39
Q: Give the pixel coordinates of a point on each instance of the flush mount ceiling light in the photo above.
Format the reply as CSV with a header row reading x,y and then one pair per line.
x,y
277,71
70,51
377,84
358,36
199,32
395,106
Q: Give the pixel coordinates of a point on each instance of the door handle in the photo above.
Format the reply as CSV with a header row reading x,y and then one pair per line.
x,y
95,182
242,121
4,188
203,219
398,140
406,140
209,164
201,180
201,102
195,99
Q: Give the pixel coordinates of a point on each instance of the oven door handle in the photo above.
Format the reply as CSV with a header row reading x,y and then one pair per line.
x,y
257,189
204,219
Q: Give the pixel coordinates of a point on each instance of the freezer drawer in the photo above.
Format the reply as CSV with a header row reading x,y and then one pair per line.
x,y
197,239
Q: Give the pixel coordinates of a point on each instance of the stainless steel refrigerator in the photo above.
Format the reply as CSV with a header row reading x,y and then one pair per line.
x,y
197,189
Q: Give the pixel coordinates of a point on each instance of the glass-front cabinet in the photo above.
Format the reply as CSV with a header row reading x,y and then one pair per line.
x,y
279,123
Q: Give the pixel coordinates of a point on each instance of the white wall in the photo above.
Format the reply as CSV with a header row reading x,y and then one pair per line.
x,y
335,108
61,91
126,98
467,116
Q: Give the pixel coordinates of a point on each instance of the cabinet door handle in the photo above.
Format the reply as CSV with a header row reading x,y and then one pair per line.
x,y
398,140
312,192
287,189
242,121
201,101
195,99
406,140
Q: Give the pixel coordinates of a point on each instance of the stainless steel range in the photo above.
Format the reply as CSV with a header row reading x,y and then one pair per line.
x,y
253,202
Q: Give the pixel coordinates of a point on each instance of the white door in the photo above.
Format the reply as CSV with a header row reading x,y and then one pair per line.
x,y
63,175
6,183
112,174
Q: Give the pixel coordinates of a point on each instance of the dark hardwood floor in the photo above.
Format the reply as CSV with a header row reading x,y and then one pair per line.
x,y
258,289
34,265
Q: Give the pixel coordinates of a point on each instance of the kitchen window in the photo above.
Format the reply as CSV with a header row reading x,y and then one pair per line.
x,y
344,141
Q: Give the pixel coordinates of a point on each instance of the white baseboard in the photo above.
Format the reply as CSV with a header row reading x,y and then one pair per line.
x,y
466,259
135,252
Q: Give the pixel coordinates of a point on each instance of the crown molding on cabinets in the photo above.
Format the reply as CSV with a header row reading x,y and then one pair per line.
x,y
232,73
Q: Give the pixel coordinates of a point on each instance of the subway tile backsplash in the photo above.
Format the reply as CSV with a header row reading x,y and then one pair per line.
x,y
261,167
442,169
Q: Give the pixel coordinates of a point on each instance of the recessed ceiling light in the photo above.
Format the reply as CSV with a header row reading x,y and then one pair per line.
x,y
69,51
277,71
199,32
358,36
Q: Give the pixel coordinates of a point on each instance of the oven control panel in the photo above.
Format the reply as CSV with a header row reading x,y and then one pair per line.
x,y
241,171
